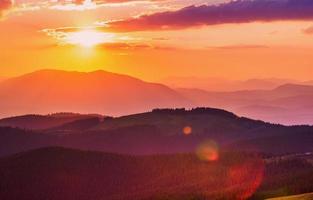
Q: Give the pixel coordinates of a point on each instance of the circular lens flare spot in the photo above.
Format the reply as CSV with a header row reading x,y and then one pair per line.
x,y
208,151
187,130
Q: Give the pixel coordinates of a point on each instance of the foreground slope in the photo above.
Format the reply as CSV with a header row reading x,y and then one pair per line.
x,y
49,91
307,196
59,174
68,174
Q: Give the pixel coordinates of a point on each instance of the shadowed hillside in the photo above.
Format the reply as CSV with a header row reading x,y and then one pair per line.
x,y
164,131
61,174
37,122
67,174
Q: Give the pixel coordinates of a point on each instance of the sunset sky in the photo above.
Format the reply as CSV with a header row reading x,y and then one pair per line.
x,y
154,39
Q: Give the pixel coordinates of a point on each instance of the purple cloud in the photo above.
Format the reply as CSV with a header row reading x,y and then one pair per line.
x,y
241,11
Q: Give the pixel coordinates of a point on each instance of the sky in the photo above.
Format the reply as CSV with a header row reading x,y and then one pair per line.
x,y
154,39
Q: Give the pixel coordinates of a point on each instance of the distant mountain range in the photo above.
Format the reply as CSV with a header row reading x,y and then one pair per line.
x,y
224,85
160,132
50,91
288,104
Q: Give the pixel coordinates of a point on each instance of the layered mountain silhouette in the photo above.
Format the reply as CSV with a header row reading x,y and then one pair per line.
x,y
162,131
177,154
289,104
49,91
219,84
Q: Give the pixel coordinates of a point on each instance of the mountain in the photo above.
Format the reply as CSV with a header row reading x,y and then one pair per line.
x,y
288,104
164,131
49,91
310,82
37,122
78,125
294,89
61,173
220,84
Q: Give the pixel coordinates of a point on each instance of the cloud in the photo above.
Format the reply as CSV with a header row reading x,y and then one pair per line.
x,y
308,30
124,46
70,5
240,11
107,41
5,5
240,46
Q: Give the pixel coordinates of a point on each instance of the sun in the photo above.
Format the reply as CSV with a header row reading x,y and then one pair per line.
x,y
88,38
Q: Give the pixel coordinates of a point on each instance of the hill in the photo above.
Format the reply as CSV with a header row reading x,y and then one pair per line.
x,y
39,122
164,131
49,91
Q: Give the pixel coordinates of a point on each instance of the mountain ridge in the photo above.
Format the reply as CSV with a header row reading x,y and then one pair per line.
x,y
48,91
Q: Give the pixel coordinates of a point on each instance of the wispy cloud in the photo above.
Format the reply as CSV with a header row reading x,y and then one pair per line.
x,y
125,46
239,46
69,5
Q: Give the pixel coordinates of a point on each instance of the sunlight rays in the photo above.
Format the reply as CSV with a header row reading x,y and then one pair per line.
x,y
88,38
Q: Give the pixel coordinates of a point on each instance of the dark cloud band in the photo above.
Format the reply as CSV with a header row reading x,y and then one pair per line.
x,y
241,11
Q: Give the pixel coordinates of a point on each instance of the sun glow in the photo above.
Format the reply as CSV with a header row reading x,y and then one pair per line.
x,y
88,38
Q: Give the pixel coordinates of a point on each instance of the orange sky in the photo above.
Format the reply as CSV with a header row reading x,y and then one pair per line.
x,y
31,39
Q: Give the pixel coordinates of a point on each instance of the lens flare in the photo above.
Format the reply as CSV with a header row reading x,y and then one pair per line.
x,y
247,176
208,151
187,130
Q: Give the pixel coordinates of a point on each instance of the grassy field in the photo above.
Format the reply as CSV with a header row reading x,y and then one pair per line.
x,y
307,196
